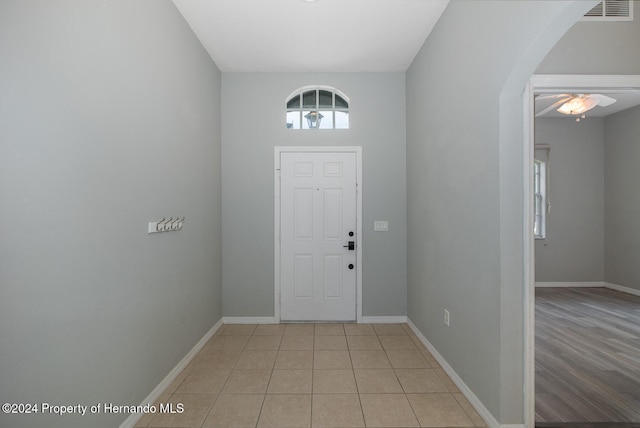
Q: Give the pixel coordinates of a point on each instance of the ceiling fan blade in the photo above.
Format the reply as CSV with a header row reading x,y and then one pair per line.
x,y
553,106
546,97
591,102
602,100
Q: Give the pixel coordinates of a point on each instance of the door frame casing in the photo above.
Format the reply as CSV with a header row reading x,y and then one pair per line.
x,y
552,83
278,150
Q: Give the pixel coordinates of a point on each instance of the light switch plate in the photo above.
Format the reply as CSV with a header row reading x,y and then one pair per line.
x,y
381,226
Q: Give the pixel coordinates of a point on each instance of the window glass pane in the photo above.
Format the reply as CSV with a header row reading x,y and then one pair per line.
x,y
539,187
293,119
309,99
537,213
294,102
342,118
327,119
326,99
341,102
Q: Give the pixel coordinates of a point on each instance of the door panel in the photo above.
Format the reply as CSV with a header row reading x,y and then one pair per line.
x,y
332,280
332,214
317,213
303,220
303,276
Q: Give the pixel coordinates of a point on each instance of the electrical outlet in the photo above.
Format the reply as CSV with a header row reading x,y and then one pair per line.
x,y
446,317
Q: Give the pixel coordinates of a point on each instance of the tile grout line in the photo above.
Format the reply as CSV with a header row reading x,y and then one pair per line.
x,y
353,371
264,398
225,382
312,376
413,412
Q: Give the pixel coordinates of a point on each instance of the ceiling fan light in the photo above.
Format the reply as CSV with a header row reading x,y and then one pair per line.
x,y
578,105
573,106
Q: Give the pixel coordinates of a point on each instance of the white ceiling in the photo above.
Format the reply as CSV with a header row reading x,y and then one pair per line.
x,y
624,101
321,36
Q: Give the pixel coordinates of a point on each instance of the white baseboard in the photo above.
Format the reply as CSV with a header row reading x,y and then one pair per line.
x,y
581,284
249,320
475,401
272,320
157,391
609,285
622,288
383,320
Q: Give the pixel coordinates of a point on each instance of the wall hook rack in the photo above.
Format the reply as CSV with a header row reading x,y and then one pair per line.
x,y
165,225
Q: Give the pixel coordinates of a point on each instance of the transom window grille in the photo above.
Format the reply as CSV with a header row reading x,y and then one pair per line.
x,y
317,107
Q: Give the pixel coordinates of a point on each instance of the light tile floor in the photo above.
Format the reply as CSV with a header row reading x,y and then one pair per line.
x,y
314,375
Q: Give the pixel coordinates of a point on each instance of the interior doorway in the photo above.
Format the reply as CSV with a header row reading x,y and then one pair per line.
x,y
550,84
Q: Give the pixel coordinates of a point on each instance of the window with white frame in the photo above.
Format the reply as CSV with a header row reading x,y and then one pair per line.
x,y
539,198
317,107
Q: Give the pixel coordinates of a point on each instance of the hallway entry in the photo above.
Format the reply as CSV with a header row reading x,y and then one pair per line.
x,y
318,218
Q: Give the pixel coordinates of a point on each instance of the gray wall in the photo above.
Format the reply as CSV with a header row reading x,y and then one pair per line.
x,y
253,124
573,250
596,47
109,119
464,187
622,230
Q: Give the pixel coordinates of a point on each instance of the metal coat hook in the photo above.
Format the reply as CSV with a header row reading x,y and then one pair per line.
x,y
165,225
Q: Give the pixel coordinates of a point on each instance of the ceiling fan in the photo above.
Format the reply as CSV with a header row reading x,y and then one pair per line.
x,y
575,104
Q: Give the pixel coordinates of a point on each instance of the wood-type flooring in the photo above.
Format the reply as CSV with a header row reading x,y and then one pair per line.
x,y
587,362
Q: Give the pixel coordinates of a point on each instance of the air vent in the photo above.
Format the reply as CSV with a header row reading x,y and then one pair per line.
x,y
611,10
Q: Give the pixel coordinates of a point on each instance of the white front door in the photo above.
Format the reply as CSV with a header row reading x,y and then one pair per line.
x,y
318,236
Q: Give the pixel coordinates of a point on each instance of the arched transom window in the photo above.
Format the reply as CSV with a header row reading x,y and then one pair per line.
x,y
317,107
